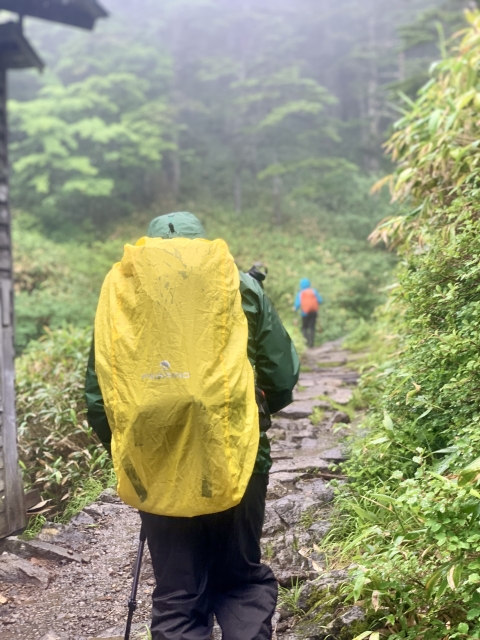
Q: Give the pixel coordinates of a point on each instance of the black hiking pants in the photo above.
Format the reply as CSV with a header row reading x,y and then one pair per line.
x,y
211,565
309,323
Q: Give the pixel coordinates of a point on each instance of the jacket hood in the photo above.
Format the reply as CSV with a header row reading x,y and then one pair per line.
x,y
176,225
305,284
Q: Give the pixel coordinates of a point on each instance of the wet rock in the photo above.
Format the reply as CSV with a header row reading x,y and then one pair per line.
x,y
335,455
38,549
309,443
109,496
319,530
66,536
50,531
341,417
304,423
292,507
298,410
284,424
287,477
304,433
347,619
309,632
281,452
276,490
301,463
273,523
290,446
312,591
341,396
317,489
19,571
290,568
355,614
333,579
309,595
96,510
333,359
316,390
82,519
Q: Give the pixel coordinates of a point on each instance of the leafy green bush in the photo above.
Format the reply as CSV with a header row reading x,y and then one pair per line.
x,y
59,452
88,147
411,514
56,284
414,527
435,144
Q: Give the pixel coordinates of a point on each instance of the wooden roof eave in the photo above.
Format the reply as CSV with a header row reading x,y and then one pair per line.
x,y
77,13
15,50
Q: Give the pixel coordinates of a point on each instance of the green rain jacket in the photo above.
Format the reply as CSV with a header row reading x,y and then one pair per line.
x,y
270,349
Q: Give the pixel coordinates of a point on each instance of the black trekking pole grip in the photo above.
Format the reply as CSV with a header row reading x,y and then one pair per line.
x,y
132,603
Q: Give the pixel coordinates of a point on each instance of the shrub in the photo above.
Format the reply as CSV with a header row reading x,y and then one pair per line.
x,y
59,452
411,514
56,284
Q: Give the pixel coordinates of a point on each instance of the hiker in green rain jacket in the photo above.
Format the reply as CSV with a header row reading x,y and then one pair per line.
x,y
212,564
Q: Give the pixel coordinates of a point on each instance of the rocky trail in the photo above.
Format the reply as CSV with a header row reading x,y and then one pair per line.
x,y
73,581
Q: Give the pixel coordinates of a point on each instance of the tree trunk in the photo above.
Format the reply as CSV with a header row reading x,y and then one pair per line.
x,y
372,87
277,200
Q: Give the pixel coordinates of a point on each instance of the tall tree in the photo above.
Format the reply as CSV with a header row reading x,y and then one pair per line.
x,y
241,103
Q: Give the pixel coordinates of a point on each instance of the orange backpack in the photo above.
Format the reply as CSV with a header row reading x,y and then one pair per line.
x,y
309,301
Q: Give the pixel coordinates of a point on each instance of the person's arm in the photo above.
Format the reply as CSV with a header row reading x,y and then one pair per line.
x,y
270,347
96,414
319,297
298,301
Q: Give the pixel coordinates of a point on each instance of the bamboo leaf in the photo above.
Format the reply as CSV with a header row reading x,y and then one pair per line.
x,y
364,635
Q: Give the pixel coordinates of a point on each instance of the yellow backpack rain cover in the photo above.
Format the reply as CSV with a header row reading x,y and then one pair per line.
x,y
171,358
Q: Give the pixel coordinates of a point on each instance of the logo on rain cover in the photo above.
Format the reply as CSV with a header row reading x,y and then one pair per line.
x,y
165,373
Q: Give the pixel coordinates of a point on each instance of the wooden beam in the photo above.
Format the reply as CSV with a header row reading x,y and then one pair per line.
x,y
78,13
13,518
15,50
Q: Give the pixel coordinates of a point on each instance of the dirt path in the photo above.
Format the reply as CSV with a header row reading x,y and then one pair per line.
x,y
73,582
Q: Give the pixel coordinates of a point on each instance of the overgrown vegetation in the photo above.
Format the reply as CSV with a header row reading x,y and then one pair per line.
x,y
410,516
55,283
58,450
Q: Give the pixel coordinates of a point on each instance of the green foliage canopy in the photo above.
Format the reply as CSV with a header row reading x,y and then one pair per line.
x,y
205,103
56,445
88,146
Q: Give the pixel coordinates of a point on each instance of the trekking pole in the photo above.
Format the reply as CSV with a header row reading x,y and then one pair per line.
x,y
132,603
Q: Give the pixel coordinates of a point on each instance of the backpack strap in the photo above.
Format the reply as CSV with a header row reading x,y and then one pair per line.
x,y
263,410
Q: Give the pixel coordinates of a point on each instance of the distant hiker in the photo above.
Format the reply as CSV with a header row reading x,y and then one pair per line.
x,y
171,393
308,301
259,272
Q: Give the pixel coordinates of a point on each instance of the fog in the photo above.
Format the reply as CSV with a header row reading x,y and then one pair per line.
x,y
231,103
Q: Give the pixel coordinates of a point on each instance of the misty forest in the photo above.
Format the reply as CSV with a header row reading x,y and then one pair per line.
x,y
335,140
